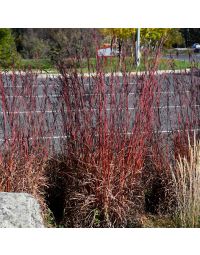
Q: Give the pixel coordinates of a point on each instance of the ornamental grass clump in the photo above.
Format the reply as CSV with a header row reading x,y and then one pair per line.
x,y
24,172
186,179
107,135
23,152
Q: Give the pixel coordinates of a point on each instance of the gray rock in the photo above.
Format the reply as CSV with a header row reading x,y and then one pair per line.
x,y
19,210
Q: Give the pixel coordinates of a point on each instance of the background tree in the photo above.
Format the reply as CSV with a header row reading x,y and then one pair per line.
x,y
71,43
190,35
54,42
150,38
174,39
154,37
8,53
31,42
120,36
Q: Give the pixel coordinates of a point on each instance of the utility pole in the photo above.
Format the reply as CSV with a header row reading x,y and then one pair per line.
x,y
137,48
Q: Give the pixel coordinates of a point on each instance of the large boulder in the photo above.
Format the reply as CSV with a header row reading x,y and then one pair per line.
x,y
19,210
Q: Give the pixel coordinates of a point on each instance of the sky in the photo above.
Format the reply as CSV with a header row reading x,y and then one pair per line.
x,y
97,14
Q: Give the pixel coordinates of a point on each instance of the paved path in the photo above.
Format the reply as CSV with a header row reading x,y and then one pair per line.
x,y
184,57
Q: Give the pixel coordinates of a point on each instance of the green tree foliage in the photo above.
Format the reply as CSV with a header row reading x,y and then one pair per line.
x,y
120,36
57,44
194,35
149,36
31,43
168,37
174,39
18,38
8,53
190,35
154,36
123,33
71,43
